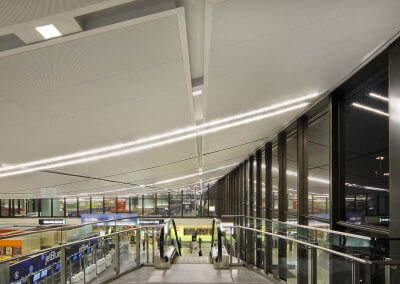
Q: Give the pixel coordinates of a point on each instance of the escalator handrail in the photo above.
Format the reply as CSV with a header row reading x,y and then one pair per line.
x,y
216,226
162,238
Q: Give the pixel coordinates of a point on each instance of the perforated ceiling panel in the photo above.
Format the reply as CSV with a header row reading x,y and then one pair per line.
x,y
18,11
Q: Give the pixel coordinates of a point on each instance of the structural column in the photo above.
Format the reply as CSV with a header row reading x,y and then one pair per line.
x,y
250,237
282,205
302,197
394,152
259,257
269,206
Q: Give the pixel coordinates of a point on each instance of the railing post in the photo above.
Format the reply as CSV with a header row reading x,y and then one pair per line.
x,y
153,244
387,272
355,272
147,244
313,265
137,246
117,255
63,264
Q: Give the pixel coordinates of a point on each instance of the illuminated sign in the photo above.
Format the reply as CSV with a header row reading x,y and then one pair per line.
x,y
52,222
127,219
151,221
383,219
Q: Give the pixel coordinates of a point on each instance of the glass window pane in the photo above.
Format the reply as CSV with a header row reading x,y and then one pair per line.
x,y
291,174
319,165
176,204
71,207
84,205
97,205
366,143
58,207
149,208
123,205
275,181
109,204
162,204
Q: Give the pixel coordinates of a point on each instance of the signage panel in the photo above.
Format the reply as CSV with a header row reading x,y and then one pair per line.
x,y
131,221
52,221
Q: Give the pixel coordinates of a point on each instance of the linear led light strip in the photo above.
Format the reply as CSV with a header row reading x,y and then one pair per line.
x,y
186,186
163,181
156,137
155,144
294,174
370,109
379,97
366,187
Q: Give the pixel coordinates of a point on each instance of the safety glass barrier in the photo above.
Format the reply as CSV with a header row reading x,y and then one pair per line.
x,y
351,243
296,260
96,259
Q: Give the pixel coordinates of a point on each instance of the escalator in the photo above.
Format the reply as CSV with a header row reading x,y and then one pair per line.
x,y
169,245
218,255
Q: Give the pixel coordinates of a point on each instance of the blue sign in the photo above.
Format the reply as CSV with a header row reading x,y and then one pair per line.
x,y
32,265
131,219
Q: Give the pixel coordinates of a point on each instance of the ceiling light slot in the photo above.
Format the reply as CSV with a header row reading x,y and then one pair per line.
x,y
10,41
124,12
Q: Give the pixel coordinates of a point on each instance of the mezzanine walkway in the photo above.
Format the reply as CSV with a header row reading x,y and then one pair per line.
x,y
192,273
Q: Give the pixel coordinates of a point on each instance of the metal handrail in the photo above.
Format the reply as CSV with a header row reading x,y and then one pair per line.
x,y
310,245
68,227
303,226
78,242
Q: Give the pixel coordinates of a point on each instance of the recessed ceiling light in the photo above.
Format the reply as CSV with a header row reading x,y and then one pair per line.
x,y
197,93
48,31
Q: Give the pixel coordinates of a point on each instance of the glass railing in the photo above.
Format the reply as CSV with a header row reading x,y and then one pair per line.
x,y
97,257
293,252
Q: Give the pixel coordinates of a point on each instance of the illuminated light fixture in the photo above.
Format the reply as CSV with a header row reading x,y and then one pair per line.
x,y
48,31
366,187
386,174
164,181
197,93
150,145
381,158
157,137
379,97
370,109
311,178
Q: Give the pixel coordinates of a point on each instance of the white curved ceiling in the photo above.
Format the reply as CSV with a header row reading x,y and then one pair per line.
x,y
132,79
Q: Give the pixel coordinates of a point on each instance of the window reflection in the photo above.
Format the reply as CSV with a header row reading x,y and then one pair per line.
x,y
318,166
275,181
291,163
366,141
